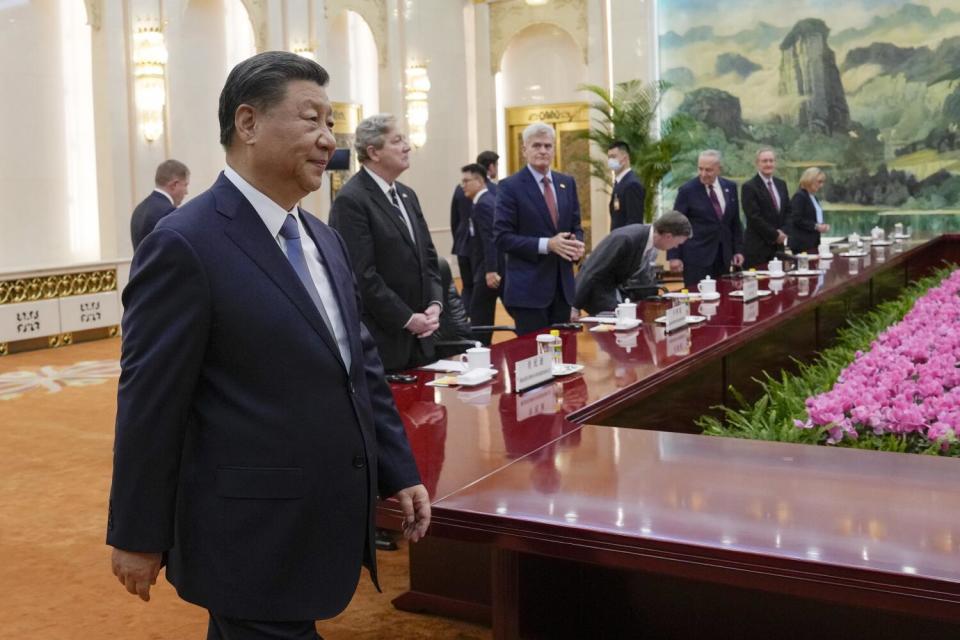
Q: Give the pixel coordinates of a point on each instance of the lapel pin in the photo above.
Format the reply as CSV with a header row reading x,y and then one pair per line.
x,y
563,186
403,195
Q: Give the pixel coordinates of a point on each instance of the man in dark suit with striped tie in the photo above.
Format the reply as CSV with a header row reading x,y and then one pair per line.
x,y
537,226
766,206
713,209
390,247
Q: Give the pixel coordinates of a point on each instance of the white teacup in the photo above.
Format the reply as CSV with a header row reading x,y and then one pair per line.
x,y
854,239
626,312
476,358
707,286
824,250
775,267
803,262
877,233
898,229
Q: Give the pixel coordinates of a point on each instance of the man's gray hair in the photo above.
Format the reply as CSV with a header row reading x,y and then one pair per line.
x,y
765,149
713,154
372,132
674,223
536,129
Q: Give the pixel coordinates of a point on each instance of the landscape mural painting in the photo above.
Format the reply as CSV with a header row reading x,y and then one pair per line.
x,y
868,90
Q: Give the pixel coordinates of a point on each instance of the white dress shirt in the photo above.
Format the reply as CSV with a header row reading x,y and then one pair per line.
x,y
542,247
816,205
273,216
385,187
166,195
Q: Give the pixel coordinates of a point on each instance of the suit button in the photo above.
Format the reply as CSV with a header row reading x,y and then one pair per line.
x,y
359,462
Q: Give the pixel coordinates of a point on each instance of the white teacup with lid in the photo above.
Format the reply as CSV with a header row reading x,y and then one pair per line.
x,y
824,250
775,267
626,312
877,233
707,286
803,262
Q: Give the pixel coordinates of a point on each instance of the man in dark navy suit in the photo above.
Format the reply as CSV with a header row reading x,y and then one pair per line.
x,y
390,247
626,201
172,180
766,206
537,226
485,260
460,208
255,430
710,204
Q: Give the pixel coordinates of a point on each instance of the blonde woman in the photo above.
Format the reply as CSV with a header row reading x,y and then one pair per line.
x,y
806,222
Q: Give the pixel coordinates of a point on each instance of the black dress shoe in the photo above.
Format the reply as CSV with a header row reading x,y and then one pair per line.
x,y
384,540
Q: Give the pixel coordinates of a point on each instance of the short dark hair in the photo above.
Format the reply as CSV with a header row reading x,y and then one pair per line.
x,y
170,170
476,169
619,144
674,223
487,158
261,82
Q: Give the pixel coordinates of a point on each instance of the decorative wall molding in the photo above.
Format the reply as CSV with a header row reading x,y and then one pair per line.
x,y
374,13
94,13
508,18
257,10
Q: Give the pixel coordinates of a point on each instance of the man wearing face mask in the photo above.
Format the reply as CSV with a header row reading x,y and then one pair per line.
x,y
626,202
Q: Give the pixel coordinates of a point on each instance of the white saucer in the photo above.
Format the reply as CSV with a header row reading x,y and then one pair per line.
x,y
771,274
626,326
882,243
465,380
566,369
677,295
901,236
806,272
710,296
762,293
854,254
690,319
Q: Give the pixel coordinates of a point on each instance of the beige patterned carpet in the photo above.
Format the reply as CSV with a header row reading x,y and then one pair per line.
x,y
56,434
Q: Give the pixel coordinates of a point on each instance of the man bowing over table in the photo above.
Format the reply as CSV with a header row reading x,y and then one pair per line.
x,y
254,427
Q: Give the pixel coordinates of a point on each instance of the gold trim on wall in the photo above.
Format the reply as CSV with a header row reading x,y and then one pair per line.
x,y
346,117
60,285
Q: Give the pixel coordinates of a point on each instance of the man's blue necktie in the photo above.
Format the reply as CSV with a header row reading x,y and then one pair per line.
x,y
291,233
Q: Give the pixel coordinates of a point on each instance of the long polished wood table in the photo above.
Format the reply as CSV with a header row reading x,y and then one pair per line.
x,y
529,504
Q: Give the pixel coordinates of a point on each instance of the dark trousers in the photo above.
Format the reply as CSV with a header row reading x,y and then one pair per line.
x,y
693,274
224,628
483,306
466,278
529,319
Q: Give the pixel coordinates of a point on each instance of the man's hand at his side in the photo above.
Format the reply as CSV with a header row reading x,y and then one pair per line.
x,y
136,571
415,505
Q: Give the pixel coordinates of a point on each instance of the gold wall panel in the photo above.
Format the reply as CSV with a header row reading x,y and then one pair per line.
x,y
57,286
346,117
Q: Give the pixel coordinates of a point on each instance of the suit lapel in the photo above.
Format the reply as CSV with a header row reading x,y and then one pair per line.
x,y
387,208
414,213
248,232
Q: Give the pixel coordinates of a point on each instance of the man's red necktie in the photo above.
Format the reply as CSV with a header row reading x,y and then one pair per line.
x,y
551,202
715,201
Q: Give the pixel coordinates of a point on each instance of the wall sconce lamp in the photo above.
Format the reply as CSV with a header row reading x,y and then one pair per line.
x,y
149,81
418,110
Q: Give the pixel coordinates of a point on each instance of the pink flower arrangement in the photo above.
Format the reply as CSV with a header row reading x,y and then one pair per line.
x,y
907,384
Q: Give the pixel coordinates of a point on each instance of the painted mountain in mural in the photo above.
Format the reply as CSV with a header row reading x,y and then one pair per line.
x,y
870,102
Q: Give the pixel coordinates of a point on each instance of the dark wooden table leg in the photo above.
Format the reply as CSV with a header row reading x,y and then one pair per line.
x,y
505,579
